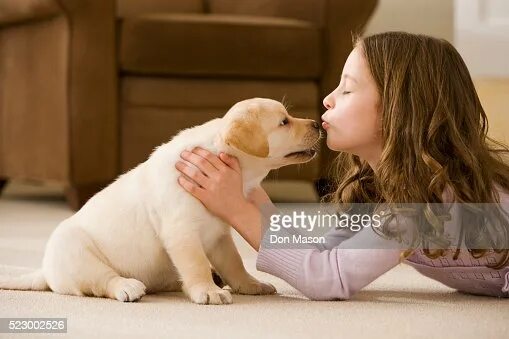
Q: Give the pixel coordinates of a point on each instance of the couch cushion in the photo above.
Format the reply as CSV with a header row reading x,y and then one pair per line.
x,y
309,10
220,45
213,93
129,8
156,108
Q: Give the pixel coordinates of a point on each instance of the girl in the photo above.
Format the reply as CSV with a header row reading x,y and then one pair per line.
x,y
409,126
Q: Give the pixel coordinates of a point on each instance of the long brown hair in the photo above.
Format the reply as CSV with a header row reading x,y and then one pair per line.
x,y
434,132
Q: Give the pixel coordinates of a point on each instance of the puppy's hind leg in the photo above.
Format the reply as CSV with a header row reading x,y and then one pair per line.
x,y
74,265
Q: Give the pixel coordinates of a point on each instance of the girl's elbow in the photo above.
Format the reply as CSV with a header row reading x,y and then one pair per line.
x,y
323,294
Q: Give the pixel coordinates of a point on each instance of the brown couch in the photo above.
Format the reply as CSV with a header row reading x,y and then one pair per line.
x,y
89,87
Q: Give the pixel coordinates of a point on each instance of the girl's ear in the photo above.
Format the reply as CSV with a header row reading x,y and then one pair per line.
x,y
248,136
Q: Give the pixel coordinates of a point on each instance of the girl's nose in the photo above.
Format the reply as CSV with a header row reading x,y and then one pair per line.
x,y
326,102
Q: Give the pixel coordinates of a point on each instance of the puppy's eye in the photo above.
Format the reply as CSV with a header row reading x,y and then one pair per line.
x,y
283,122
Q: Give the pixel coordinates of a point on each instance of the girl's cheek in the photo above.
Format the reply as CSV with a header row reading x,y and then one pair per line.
x,y
334,117
339,119
336,129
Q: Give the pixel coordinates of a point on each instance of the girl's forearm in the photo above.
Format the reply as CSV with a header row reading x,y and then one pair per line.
x,y
248,224
259,197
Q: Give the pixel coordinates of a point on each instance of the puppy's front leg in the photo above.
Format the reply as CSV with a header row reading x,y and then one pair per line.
x,y
188,256
226,260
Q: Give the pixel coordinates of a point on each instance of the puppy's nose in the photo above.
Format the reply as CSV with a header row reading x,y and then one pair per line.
x,y
315,125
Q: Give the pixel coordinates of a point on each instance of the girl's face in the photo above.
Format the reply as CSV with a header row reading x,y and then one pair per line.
x,y
352,119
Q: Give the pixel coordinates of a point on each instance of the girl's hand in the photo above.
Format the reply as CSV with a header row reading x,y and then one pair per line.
x,y
216,182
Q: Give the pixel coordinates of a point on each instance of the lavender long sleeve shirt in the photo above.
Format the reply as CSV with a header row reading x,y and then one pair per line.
x,y
349,261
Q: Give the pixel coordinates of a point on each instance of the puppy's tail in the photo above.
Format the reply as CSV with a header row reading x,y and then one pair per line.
x,y
33,281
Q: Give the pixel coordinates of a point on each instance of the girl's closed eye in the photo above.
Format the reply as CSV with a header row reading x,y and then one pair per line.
x,y
343,90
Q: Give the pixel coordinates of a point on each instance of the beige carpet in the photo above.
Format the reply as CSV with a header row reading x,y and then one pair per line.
x,y
401,303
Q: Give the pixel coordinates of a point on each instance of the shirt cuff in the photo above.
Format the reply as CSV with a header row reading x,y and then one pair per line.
x,y
285,264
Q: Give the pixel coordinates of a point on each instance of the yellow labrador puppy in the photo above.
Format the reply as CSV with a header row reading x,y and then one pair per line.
x,y
144,233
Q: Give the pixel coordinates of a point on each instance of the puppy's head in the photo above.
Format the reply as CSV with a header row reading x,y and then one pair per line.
x,y
263,128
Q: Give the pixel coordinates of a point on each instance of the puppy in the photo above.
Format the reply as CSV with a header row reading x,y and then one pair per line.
x,y
145,234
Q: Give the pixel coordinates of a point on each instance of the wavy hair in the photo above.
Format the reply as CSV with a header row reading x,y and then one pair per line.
x,y
434,134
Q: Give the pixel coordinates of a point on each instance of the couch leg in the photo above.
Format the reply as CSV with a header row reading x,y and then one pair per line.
x,y
78,195
3,183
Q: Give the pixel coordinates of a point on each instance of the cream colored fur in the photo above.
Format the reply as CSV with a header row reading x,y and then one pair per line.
x,y
144,233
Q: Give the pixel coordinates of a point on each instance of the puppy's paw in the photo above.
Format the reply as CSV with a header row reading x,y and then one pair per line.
x,y
128,289
209,294
254,287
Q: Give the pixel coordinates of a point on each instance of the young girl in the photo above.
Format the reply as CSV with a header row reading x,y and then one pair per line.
x,y
409,126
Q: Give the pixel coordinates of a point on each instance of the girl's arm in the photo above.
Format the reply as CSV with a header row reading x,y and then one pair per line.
x,y
248,224
332,274
217,183
329,274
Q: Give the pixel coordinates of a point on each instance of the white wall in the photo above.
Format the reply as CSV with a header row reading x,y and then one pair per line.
x,y
431,17
481,34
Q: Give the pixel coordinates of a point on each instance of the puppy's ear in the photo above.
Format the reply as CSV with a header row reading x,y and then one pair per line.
x,y
247,136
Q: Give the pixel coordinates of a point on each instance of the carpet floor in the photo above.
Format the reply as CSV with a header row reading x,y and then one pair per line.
x,y
401,303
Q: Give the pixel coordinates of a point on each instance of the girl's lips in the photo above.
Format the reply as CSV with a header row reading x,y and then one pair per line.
x,y
325,125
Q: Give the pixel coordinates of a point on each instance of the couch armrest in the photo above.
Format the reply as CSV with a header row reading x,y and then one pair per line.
x,y
92,90
19,11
